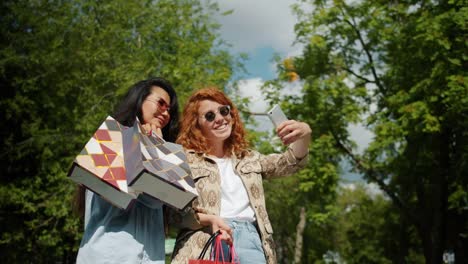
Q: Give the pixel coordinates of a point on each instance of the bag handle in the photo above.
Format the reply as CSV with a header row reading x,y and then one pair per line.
x,y
208,243
233,257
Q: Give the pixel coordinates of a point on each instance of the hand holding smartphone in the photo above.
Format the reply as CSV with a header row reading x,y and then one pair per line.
x,y
277,115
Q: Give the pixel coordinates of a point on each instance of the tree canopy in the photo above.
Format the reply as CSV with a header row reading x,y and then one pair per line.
x,y
63,67
399,68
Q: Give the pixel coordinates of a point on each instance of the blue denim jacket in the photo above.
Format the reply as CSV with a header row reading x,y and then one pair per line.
x,y
113,235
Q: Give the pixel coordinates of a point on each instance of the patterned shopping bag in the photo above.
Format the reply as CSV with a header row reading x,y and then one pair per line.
x,y
120,163
160,170
100,166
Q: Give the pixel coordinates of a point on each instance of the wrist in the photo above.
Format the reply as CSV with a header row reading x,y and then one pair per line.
x,y
204,219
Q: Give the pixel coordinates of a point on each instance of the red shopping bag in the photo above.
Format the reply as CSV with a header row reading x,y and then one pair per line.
x,y
217,255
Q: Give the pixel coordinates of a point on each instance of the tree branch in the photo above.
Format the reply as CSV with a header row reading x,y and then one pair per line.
x,y
359,76
372,174
366,50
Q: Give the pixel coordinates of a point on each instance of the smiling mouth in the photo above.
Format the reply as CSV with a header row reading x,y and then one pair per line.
x,y
221,127
159,118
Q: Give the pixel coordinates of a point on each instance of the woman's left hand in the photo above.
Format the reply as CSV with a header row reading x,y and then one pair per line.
x,y
216,223
291,130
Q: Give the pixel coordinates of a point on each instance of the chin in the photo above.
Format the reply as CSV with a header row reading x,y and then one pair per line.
x,y
224,136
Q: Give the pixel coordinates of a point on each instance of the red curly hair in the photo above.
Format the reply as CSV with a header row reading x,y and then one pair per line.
x,y
190,134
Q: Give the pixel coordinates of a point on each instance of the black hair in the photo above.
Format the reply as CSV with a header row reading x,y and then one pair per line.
x,y
130,107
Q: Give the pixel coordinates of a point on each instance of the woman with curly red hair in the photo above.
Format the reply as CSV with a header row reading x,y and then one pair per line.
x,y
228,177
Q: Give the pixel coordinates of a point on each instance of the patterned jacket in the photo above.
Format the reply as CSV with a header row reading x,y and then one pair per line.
x,y
252,169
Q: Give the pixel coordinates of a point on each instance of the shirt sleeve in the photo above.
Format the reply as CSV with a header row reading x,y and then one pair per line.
x,y
88,204
187,219
280,165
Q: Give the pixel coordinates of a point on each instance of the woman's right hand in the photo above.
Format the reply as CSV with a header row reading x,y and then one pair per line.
x,y
217,223
148,128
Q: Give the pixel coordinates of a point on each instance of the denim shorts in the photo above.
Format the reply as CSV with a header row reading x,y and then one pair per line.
x,y
247,243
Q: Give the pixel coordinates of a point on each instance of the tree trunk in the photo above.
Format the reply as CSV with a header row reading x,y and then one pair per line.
x,y
433,225
404,240
300,235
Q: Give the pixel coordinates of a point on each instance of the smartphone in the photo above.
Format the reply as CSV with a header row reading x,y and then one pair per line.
x,y
277,115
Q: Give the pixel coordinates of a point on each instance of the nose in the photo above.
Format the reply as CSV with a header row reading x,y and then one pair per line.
x,y
165,115
218,118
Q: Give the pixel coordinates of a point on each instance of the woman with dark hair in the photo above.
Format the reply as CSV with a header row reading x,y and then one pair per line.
x,y
134,235
228,176
140,94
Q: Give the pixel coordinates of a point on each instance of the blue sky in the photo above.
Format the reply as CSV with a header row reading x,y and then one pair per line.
x,y
259,28
262,28
259,64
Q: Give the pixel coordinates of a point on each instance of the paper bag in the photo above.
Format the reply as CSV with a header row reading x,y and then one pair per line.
x,y
100,166
161,170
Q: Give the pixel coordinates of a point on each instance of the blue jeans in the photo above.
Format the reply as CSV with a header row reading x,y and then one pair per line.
x,y
247,243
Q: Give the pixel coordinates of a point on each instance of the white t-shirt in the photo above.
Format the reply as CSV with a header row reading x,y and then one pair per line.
x,y
235,202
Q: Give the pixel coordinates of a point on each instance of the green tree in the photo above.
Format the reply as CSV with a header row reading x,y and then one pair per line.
x,y
63,67
368,229
315,188
400,68
311,191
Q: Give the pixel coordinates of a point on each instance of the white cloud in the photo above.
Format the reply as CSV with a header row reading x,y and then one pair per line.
x,y
259,23
361,135
250,88
295,50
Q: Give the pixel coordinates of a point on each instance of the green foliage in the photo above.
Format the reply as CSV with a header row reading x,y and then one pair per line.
x,y
283,209
400,69
63,67
368,228
312,188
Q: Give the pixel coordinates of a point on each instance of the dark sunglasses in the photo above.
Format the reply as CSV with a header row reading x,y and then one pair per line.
x,y
224,110
160,103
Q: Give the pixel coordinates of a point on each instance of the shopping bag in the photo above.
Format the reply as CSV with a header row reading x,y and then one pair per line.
x,y
158,168
120,163
217,255
100,166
